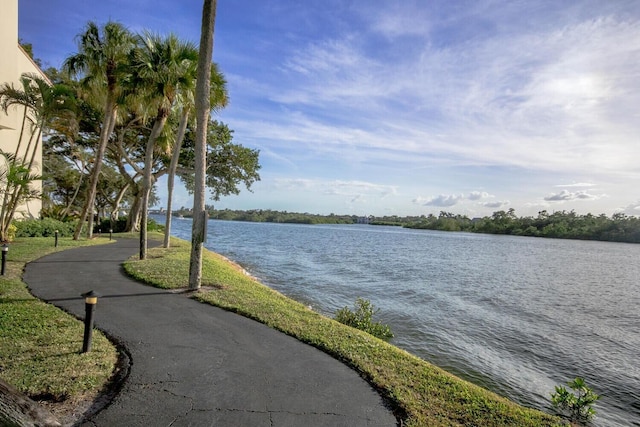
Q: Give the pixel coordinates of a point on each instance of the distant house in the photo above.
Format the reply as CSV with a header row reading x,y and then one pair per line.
x,y
14,61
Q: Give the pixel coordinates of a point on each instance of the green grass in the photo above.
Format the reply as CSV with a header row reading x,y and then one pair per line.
x,y
423,394
40,345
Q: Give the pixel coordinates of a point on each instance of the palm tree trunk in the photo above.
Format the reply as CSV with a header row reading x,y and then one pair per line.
x,y
203,108
182,127
147,180
87,210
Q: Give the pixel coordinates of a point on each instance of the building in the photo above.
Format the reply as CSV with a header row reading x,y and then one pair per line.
x,y
14,61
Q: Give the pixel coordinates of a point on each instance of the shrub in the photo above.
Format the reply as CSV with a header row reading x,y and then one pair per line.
x,y
43,228
11,232
118,226
362,319
577,404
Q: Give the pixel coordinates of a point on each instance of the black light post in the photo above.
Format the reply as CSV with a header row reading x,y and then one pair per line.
x,y
110,233
56,244
90,301
5,249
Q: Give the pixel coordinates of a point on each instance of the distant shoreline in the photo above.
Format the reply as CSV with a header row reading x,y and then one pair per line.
x,y
557,225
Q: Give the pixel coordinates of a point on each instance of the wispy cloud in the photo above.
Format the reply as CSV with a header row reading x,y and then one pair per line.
x,y
535,99
496,205
577,184
566,195
477,195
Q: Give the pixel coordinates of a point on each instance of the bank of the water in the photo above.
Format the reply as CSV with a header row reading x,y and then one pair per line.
x,y
421,393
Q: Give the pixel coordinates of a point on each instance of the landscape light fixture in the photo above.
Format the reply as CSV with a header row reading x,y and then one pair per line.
x,y
5,249
90,301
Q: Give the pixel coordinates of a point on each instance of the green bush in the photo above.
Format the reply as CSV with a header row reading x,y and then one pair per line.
x,y
45,227
577,404
362,319
118,226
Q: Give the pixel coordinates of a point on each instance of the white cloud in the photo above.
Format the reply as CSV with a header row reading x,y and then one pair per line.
x,y
495,205
577,184
477,195
566,195
351,189
444,200
632,209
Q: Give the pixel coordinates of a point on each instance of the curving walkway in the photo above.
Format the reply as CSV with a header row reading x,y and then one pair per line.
x,y
196,365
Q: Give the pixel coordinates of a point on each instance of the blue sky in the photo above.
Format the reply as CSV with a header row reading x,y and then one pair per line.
x,y
410,107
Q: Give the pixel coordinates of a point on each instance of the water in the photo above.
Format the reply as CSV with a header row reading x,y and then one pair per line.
x,y
516,315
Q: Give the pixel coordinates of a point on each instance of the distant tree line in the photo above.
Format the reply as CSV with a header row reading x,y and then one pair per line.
x,y
561,224
267,215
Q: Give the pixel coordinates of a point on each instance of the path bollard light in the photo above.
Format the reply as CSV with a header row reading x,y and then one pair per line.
x,y
5,249
56,244
90,301
110,233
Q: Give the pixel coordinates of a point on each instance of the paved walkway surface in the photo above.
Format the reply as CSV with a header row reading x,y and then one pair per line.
x,y
192,364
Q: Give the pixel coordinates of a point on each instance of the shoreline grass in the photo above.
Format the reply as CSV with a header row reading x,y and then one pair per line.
x,y
40,345
421,394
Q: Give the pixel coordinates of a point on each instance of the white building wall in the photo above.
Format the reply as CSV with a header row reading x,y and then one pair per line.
x,y
13,63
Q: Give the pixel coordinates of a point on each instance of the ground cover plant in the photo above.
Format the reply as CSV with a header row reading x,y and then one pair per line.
x,y
362,318
422,394
40,345
578,403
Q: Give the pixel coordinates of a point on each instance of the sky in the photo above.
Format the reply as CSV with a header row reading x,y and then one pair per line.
x,y
409,107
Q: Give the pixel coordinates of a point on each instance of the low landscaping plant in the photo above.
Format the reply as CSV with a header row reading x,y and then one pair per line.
x,y
45,227
362,318
576,404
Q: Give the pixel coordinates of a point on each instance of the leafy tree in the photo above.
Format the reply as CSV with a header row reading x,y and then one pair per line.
x,y
218,98
41,102
103,62
228,164
161,67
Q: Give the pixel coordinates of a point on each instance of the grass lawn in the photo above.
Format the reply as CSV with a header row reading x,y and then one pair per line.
x,y
423,394
40,345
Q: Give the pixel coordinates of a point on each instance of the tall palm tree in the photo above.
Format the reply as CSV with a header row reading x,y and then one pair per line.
x,y
162,67
102,61
219,99
202,120
42,102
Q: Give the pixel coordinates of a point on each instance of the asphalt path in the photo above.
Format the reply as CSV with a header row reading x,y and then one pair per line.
x,y
191,364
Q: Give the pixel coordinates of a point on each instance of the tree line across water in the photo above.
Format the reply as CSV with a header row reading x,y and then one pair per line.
x,y
561,224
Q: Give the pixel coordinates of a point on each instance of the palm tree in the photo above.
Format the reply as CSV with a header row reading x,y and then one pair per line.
x,y
162,67
202,119
42,102
102,60
219,99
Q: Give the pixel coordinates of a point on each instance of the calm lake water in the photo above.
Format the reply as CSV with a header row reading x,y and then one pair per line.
x,y
517,315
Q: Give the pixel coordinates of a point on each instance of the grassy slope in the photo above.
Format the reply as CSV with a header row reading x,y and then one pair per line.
x,y
39,344
422,393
